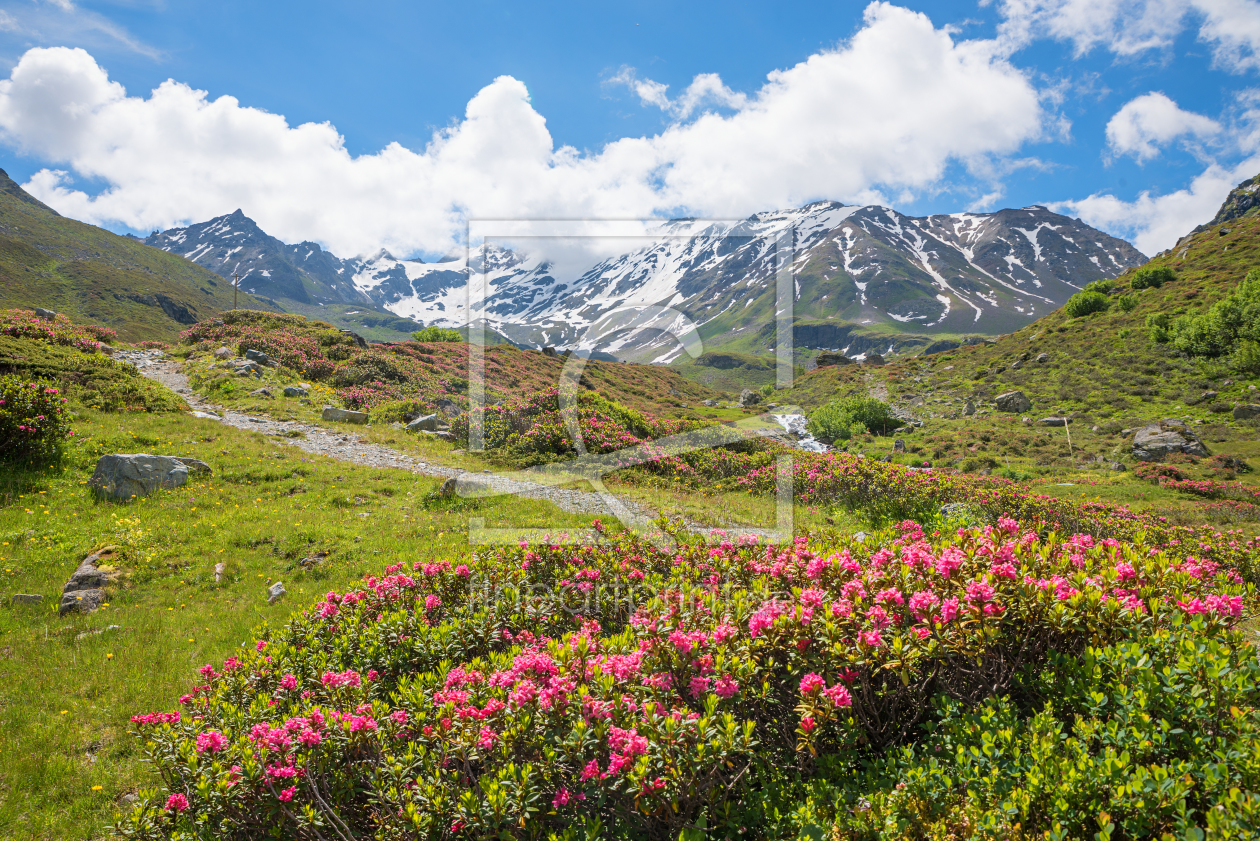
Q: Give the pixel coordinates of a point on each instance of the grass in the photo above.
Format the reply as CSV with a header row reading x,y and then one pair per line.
x,y
265,509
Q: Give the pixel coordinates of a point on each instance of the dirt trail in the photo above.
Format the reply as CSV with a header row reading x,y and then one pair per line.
x,y
345,447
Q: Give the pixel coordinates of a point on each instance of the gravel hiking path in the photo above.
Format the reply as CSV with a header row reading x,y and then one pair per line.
x,y
345,447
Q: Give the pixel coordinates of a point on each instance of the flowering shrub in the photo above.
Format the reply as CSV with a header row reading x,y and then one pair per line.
x,y
24,324
33,422
630,688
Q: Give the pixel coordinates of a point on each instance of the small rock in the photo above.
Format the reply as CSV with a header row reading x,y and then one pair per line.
x,y
448,489
25,598
969,408
275,592
95,631
294,391
47,315
860,537
259,357
1052,422
827,360
550,351
219,569
1209,395
206,415
1246,411
448,407
873,359
344,415
260,392
81,601
224,353
1017,364
1013,402
1043,358
899,446
427,423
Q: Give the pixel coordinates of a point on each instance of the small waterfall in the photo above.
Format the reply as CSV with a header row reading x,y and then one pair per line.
x,y
794,426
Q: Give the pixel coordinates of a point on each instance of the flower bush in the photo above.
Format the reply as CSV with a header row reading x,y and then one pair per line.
x,y
630,688
33,421
24,324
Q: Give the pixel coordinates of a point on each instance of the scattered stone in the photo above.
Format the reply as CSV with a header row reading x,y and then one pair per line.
x,y
261,392
1013,402
332,413
999,369
85,591
25,598
825,360
447,490
245,368
397,425
448,407
425,423
276,592
96,631
860,537
206,415
1017,364
1052,422
969,408
224,353
315,559
899,446
358,340
123,476
1246,411
873,359
550,351
47,315
1043,358
259,357
748,397
219,569
1154,442
710,403
294,391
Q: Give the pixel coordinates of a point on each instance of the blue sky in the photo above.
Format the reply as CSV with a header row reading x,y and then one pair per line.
x,y
1136,115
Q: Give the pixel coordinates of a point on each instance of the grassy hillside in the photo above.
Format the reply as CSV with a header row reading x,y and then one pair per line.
x,y
417,372
90,274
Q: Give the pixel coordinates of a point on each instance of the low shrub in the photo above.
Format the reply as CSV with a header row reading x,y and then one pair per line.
x,y
1126,303
629,688
1086,303
1102,286
841,419
1155,472
437,334
33,421
1152,277
1221,329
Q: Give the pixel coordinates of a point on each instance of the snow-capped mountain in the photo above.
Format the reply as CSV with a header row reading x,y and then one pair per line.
x,y
982,273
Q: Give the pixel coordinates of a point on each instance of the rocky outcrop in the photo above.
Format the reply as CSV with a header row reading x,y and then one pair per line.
x,y
748,397
85,591
1246,411
826,360
121,476
1160,440
1242,201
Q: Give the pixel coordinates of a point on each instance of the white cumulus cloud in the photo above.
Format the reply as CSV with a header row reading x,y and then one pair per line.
x,y
1151,121
1231,28
884,113
1155,222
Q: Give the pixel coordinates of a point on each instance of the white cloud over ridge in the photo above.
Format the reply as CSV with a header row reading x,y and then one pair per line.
x,y
889,110
1151,121
1129,27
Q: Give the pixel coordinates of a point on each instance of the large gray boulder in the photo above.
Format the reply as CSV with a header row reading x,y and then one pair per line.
x,y
448,407
425,423
344,415
873,359
1246,411
126,475
826,360
1012,401
294,391
747,397
1159,440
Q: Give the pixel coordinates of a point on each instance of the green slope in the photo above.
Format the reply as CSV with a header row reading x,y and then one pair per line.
x,y
92,275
